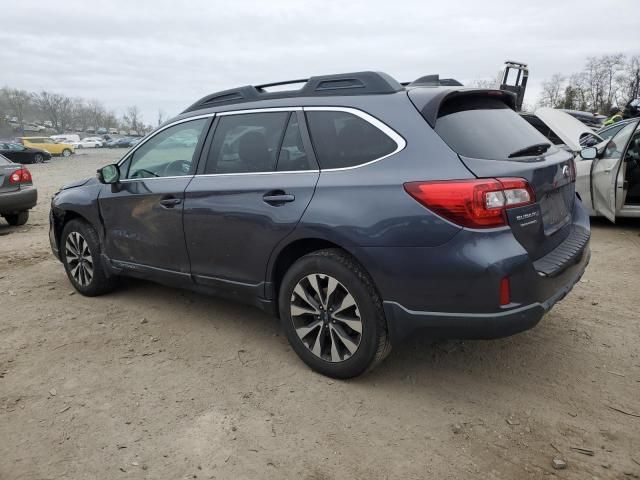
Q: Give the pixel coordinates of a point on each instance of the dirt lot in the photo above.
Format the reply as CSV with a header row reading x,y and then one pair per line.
x,y
151,382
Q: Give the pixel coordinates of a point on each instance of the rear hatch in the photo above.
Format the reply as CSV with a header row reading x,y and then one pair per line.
x,y
493,141
7,167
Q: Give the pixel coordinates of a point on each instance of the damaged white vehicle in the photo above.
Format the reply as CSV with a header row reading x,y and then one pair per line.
x,y
607,171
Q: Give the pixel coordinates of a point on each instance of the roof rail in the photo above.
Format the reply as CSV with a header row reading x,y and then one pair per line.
x,y
357,83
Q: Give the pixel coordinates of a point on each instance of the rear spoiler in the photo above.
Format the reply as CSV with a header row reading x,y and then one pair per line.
x,y
429,102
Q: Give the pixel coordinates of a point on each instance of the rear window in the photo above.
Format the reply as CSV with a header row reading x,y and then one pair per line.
x,y
341,139
484,127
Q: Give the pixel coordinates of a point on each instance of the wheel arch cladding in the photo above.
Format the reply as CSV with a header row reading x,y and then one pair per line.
x,y
295,250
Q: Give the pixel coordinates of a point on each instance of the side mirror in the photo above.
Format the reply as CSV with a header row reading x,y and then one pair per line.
x,y
109,174
589,153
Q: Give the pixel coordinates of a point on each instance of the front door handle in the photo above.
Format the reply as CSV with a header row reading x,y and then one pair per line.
x,y
170,202
278,197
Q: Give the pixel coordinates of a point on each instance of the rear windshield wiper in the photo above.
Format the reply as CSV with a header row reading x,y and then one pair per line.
x,y
536,149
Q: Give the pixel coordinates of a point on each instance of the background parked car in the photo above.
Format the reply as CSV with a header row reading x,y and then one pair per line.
x,y
88,143
608,178
48,144
17,193
592,120
20,154
66,137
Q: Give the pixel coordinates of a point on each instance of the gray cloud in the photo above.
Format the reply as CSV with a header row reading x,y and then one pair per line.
x,y
165,54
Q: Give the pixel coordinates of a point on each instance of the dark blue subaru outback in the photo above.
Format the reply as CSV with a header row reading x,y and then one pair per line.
x,y
357,209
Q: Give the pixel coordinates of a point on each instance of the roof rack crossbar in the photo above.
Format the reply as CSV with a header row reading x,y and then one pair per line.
x,y
357,83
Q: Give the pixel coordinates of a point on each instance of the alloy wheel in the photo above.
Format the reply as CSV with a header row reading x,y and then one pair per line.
x,y
79,259
326,317
38,158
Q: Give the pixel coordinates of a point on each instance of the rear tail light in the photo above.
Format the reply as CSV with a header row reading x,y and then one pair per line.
x,y
478,203
20,176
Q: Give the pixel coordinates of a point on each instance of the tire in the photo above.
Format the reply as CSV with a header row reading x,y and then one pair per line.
x,y
17,219
86,271
66,152
317,325
38,158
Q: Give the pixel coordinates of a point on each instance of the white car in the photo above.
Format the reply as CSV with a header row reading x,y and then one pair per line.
x,y
607,174
88,143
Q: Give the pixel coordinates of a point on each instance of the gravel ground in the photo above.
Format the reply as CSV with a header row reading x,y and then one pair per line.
x,y
152,382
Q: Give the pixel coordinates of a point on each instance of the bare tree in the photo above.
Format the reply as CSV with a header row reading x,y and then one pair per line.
x,y
18,102
133,119
628,82
81,114
58,109
160,116
552,92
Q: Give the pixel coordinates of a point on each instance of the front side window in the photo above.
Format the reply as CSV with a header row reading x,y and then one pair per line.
x,y
617,144
170,153
342,139
246,143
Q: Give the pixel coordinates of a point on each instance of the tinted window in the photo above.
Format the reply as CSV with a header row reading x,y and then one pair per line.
x,y
246,143
169,153
341,139
292,155
482,127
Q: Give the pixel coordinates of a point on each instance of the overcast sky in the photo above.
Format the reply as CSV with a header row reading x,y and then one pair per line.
x,y
166,54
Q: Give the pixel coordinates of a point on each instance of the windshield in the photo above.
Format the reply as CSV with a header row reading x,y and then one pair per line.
x,y
484,127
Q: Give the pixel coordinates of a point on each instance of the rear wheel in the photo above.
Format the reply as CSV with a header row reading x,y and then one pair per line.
x,y
80,253
66,152
17,219
333,315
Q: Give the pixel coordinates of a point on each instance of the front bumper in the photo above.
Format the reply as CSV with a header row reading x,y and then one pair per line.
x,y
18,201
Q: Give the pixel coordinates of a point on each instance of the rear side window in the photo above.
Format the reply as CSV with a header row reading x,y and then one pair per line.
x,y
341,139
484,127
247,143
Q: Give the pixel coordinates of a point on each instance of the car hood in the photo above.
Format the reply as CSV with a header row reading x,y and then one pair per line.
x,y
568,128
80,183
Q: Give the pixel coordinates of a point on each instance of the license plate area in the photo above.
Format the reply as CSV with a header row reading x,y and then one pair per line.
x,y
555,211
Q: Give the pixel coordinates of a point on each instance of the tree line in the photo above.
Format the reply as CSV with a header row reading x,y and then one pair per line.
x,y
605,82
65,113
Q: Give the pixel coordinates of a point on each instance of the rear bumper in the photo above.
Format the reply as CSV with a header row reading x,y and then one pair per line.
x,y
452,290
404,322
18,201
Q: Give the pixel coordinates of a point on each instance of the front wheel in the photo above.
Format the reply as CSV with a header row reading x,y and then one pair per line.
x,y
333,315
17,219
38,158
80,253
66,152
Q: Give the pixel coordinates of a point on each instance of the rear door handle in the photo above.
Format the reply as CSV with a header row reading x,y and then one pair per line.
x,y
278,197
170,202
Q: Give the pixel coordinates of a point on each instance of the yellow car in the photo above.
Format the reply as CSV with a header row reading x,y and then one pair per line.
x,y
48,144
